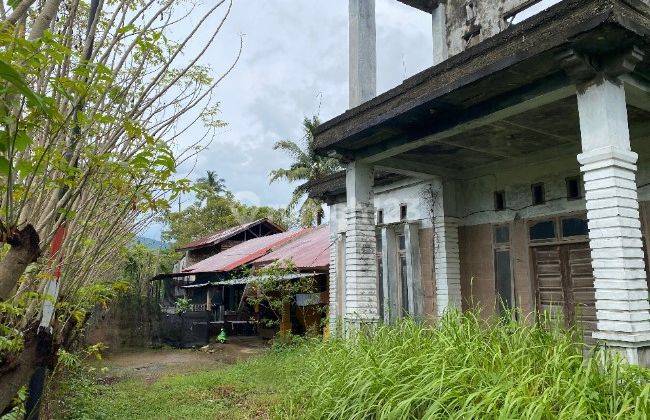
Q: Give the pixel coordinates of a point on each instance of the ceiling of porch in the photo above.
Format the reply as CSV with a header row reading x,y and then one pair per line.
x,y
552,127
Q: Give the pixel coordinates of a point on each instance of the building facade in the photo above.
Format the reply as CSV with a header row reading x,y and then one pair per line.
x,y
513,173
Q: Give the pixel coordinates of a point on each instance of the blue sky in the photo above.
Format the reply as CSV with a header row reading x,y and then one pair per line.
x,y
294,64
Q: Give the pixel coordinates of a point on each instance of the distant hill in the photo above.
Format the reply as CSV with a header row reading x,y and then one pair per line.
x,y
151,243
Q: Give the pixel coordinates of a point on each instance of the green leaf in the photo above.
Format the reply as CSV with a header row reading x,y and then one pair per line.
x,y
9,73
22,141
4,166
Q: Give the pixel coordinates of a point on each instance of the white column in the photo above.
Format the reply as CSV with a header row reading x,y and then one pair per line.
x,y
446,254
361,303
389,272
439,32
412,239
609,168
363,52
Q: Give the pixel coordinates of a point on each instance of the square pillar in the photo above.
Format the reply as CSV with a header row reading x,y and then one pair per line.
x,y
414,276
446,253
361,300
609,170
439,32
363,52
389,273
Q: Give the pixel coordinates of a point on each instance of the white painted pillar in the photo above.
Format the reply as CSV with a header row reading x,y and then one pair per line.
x,y
363,52
333,279
361,300
609,168
439,32
389,272
446,252
414,276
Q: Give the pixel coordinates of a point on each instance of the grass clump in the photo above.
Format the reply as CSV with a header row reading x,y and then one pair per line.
x,y
465,368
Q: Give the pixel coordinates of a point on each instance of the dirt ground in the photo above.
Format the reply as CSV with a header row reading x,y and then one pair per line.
x,y
150,364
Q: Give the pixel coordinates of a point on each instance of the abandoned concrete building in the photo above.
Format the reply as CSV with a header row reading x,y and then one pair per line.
x,y
515,172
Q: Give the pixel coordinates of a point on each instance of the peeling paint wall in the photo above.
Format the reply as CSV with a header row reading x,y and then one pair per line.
x,y
472,21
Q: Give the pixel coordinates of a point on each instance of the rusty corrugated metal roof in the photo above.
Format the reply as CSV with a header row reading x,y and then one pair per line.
x,y
243,253
310,251
225,234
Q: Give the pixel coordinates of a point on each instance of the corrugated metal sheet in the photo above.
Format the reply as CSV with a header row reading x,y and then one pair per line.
x,y
225,234
308,252
243,253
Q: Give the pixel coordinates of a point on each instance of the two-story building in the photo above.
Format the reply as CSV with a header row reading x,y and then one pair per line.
x,y
515,172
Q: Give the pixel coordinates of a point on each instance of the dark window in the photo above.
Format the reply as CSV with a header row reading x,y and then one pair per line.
x,y
573,188
537,191
542,230
574,227
503,280
380,217
501,234
499,200
402,212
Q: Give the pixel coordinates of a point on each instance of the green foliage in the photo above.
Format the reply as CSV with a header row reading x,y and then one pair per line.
x,y
465,368
307,165
215,209
245,390
182,305
275,290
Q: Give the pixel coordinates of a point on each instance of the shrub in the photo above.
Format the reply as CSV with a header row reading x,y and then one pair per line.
x,y
465,368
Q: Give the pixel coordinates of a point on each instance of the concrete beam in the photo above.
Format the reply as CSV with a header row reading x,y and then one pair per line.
x,y
519,108
363,52
637,92
414,169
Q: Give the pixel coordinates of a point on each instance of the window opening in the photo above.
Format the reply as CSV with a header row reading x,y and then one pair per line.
x,y
573,188
574,226
542,231
499,200
402,211
537,191
502,234
380,217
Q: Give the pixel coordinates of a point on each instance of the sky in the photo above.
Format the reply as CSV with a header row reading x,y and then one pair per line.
x,y
294,64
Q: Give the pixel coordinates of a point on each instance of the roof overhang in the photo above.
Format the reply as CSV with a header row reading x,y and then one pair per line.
x,y
424,5
513,67
331,188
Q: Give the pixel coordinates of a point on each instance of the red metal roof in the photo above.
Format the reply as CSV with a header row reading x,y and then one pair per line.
x,y
308,252
225,234
243,253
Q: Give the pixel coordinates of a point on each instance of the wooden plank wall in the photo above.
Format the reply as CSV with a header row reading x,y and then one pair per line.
x,y
477,268
428,274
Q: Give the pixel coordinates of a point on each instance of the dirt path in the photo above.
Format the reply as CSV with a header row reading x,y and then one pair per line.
x,y
150,364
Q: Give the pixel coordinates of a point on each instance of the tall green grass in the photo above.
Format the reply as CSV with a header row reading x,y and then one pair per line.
x,y
465,368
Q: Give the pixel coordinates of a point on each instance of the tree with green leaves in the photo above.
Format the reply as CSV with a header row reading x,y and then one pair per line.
x,y
215,209
306,165
94,98
208,185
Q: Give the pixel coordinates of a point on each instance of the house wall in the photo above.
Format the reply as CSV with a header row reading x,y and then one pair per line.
x,y
475,206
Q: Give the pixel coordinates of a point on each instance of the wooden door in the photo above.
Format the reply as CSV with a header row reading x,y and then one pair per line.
x,y
564,284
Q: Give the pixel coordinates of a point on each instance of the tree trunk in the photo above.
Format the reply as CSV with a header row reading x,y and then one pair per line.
x,y
18,373
24,251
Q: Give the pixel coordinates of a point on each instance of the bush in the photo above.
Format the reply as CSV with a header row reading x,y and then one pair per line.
x,y
465,368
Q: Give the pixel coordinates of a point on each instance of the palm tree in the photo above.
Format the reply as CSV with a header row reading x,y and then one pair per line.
x,y
306,165
209,185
